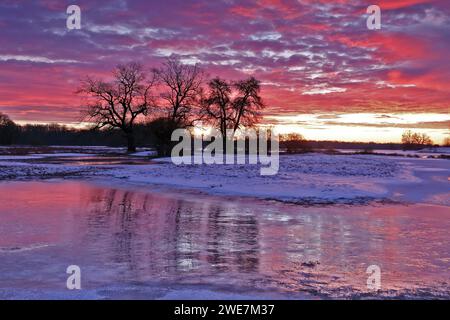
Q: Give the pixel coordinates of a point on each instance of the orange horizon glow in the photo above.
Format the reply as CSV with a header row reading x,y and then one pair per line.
x,y
345,127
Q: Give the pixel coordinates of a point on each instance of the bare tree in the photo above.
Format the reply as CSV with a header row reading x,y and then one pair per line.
x,y
247,104
5,120
119,103
232,105
183,88
407,137
415,140
8,129
293,142
217,107
422,139
446,142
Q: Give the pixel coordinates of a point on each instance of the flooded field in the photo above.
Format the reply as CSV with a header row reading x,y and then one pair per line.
x,y
148,243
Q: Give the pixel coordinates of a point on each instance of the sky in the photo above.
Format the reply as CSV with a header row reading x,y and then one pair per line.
x,y
323,72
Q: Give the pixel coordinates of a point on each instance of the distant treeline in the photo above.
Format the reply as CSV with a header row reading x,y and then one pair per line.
x,y
58,135
353,145
146,135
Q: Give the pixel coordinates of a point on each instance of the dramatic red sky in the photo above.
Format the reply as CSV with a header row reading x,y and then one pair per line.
x,y
324,73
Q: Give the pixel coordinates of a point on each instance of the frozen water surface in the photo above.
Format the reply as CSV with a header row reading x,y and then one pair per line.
x,y
148,243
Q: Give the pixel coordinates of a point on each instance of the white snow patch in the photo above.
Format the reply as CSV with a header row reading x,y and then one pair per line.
x,y
309,178
144,154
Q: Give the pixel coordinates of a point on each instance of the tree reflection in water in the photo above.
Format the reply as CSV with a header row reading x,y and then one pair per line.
x,y
158,239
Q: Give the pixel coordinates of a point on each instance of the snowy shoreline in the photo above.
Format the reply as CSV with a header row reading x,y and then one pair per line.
x,y
306,179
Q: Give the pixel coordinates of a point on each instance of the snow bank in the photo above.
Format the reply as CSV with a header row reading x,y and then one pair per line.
x,y
304,179
150,153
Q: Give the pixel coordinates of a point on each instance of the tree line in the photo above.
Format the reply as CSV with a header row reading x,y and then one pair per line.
x,y
61,135
149,134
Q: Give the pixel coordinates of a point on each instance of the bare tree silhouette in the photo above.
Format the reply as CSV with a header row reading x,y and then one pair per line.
x,y
183,88
8,129
232,105
415,140
293,142
119,103
447,142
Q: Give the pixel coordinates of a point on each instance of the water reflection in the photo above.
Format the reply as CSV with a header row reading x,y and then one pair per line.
x,y
141,238
169,235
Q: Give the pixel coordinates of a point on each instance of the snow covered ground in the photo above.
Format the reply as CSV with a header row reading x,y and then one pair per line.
x,y
309,179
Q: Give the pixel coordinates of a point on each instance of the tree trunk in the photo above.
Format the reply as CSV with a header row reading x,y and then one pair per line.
x,y
130,142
